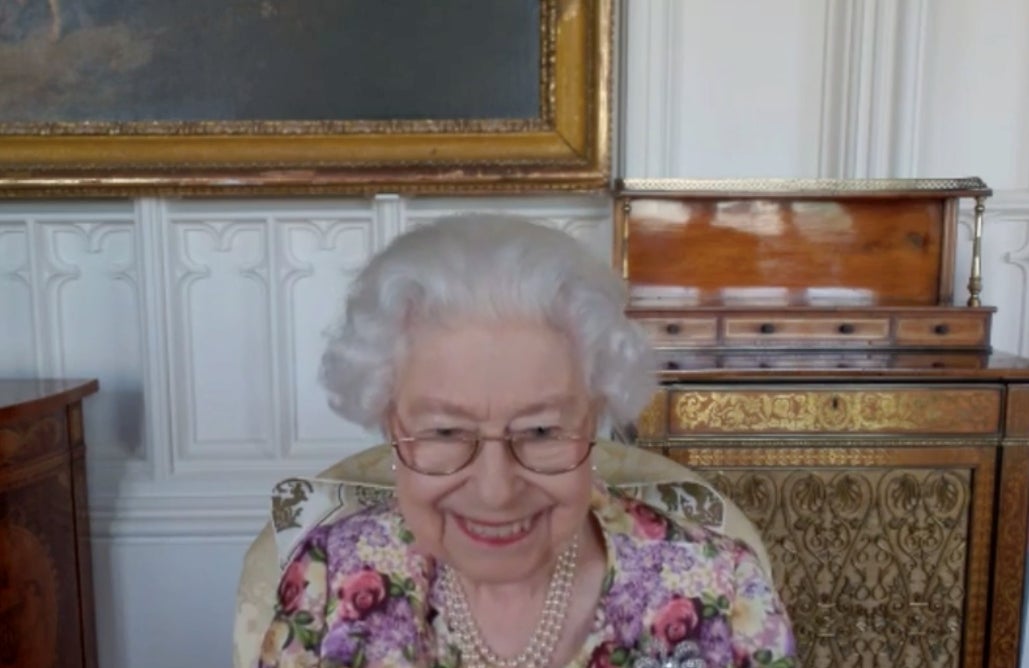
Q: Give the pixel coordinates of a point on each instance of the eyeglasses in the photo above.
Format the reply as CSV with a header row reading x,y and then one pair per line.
x,y
446,451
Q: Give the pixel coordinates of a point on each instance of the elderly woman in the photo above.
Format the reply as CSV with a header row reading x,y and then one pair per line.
x,y
489,350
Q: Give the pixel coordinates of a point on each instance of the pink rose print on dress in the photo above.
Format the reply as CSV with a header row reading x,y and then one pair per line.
x,y
603,656
675,621
361,592
291,588
647,522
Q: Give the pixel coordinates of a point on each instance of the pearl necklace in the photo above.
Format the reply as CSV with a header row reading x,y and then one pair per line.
x,y
476,653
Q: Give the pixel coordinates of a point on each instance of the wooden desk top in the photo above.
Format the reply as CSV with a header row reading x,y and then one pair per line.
x,y
25,398
840,366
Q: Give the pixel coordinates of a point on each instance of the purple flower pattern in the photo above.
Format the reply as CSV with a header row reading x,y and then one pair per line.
x,y
672,596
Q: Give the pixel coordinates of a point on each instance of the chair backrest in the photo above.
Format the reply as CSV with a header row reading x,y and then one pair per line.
x,y
300,504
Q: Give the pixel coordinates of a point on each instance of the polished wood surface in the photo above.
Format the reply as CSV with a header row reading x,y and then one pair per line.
x,y
839,365
46,594
895,328
813,366
789,253
24,398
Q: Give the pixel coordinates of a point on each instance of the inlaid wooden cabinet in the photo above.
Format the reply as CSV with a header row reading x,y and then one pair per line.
x,y
817,367
46,579
885,504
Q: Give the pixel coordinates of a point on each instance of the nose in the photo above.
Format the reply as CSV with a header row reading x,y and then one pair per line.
x,y
495,474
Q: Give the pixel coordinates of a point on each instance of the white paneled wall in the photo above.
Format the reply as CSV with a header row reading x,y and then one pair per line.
x,y
723,89
203,319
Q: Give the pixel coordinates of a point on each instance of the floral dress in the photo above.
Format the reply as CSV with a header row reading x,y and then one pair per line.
x,y
676,595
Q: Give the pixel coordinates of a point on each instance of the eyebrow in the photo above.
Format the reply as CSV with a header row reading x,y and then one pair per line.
x,y
429,404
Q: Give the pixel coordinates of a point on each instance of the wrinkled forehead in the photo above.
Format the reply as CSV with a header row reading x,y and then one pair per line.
x,y
482,368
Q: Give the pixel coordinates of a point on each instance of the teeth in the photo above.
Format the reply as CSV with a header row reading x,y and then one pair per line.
x,y
501,530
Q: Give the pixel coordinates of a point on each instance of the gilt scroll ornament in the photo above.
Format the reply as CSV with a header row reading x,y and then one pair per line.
x,y
871,564
938,411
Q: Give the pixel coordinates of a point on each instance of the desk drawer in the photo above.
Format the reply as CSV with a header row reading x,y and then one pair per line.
x,y
678,331
685,412
839,331
942,331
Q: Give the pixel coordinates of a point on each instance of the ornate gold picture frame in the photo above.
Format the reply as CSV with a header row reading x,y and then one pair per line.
x,y
564,146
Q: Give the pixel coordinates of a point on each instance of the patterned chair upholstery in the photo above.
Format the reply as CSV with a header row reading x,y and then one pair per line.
x,y
300,504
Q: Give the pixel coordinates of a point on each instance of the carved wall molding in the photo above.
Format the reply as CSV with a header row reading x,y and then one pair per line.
x,y
650,27
20,350
874,61
1013,499
218,308
698,101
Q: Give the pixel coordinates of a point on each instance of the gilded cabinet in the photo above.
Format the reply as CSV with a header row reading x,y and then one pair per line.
x,y
894,510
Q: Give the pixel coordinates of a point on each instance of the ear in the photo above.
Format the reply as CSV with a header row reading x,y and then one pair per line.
x,y
388,423
596,415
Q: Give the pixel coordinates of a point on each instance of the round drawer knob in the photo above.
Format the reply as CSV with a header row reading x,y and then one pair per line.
x,y
672,365
846,328
941,329
767,328
673,328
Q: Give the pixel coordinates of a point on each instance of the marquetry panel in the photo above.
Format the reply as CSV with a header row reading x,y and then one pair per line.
x,y
1017,412
32,440
881,556
1010,555
834,410
652,423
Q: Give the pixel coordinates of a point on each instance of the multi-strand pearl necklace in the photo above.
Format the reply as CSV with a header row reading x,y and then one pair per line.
x,y
476,653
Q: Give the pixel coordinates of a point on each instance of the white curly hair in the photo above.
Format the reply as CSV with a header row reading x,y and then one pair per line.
x,y
484,266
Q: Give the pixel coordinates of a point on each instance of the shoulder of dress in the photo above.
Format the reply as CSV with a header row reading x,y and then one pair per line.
x,y
645,524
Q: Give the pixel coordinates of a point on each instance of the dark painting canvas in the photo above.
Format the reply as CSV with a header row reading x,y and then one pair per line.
x,y
268,60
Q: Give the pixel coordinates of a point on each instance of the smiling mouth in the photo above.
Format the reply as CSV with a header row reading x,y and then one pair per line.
x,y
497,534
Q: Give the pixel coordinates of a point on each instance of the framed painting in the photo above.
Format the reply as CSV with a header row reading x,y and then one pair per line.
x,y
275,97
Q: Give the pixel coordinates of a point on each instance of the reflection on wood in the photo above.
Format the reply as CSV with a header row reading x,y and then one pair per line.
x,y
28,598
46,589
770,252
